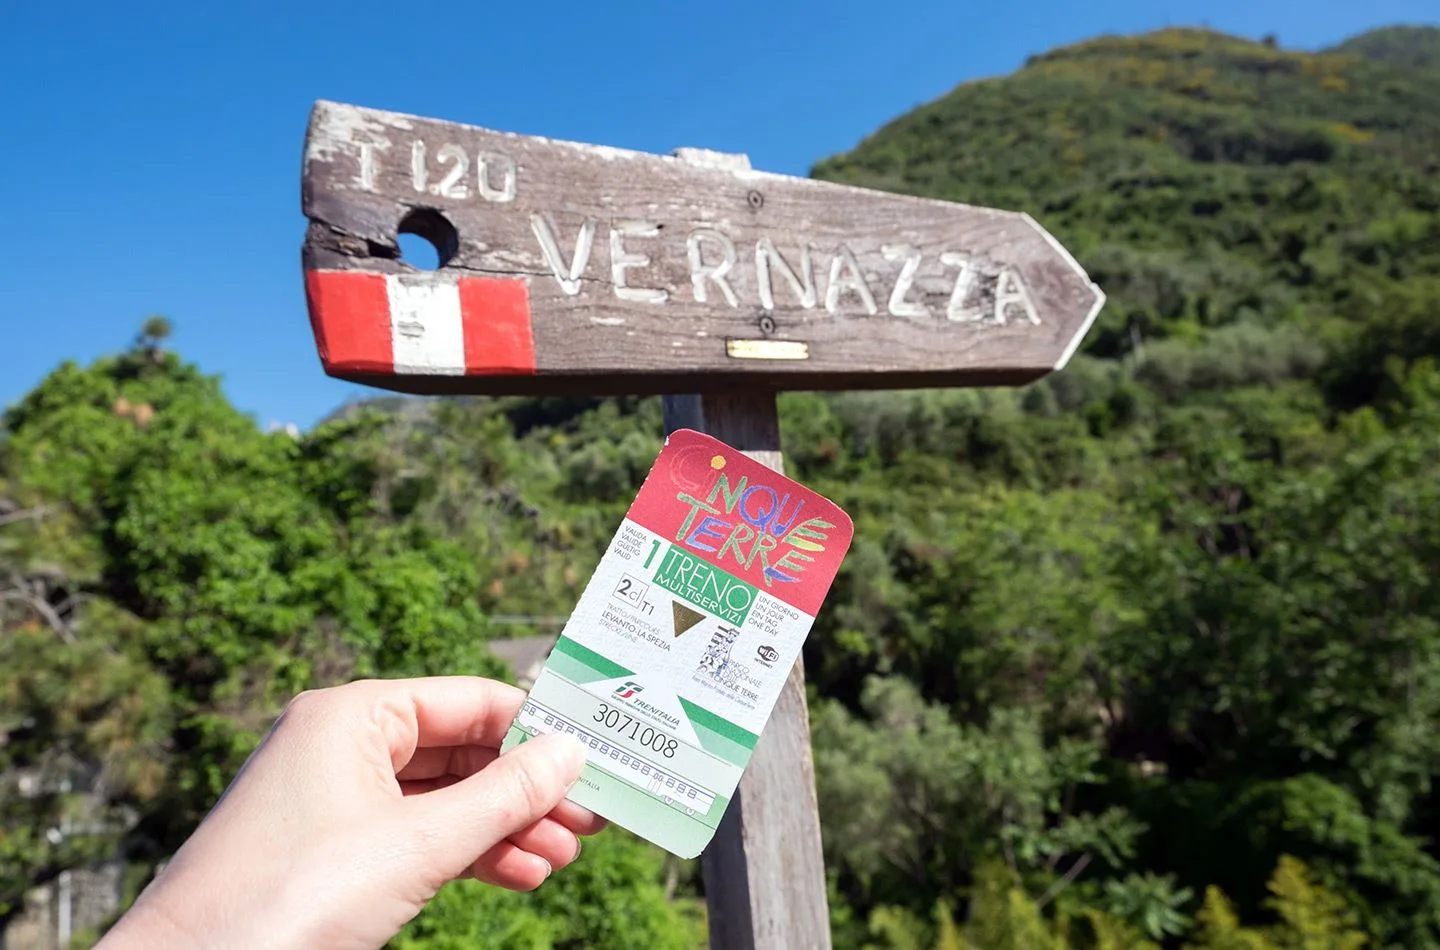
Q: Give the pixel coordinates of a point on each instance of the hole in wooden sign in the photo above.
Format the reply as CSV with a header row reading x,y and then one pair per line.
x,y
427,239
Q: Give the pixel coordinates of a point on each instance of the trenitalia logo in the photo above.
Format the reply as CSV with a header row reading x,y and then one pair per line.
x,y
629,688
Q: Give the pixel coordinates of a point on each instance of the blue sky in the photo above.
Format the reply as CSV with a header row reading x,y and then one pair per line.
x,y
150,155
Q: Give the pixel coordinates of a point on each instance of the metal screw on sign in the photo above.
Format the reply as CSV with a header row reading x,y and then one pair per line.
x,y
583,269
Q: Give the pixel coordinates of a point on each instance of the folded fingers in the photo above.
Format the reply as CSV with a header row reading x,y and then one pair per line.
x,y
524,860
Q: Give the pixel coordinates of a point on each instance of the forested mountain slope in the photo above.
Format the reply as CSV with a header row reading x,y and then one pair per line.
x,y
1416,47
1115,658
1208,183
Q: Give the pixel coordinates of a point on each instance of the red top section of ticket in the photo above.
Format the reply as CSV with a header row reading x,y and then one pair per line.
x,y
714,502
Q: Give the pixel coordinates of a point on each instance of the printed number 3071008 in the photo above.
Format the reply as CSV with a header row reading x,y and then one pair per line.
x,y
628,725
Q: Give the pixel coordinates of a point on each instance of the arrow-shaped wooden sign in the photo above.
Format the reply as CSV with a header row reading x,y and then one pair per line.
x,y
582,268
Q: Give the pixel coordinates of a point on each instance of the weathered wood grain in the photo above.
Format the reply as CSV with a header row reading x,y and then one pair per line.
x,y
764,871
649,274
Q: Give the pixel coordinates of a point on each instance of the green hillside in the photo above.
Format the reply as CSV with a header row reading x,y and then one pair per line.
x,y
1217,188
1414,47
1145,654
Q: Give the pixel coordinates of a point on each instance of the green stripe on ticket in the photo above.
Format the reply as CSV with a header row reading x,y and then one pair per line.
x,y
705,721
579,664
593,662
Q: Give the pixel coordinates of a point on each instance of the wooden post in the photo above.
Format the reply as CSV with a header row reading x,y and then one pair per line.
x,y
764,871
578,269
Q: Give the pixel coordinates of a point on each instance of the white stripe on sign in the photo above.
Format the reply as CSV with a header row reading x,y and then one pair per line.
x,y
426,331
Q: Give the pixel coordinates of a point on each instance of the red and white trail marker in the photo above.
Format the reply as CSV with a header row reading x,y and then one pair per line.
x,y
420,324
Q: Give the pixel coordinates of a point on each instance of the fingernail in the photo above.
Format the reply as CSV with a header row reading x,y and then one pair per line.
x,y
578,846
548,870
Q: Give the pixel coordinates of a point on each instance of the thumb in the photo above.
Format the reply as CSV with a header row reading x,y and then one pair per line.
x,y
460,822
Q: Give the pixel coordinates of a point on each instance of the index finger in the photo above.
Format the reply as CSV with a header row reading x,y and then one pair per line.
x,y
435,711
463,710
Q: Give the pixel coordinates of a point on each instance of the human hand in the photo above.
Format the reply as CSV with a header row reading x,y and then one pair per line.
x,y
359,805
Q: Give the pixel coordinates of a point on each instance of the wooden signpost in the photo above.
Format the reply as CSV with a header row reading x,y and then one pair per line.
x,y
568,268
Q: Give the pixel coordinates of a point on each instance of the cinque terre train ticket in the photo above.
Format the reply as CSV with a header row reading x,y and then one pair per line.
x,y
677,649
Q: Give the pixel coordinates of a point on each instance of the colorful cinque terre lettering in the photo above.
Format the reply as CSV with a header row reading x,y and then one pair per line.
x,y
750,522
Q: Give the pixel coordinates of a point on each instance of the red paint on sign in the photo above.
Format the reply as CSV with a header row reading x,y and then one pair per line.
x,y
350,317
498,336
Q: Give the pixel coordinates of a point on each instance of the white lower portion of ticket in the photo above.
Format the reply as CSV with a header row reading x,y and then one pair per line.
x,y
614,760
